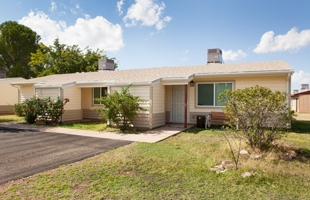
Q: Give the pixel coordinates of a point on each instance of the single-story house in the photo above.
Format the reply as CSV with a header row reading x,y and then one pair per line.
x,y
8,95
172,94
301,102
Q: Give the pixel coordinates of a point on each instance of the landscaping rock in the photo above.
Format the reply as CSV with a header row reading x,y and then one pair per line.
x,y
256,157
244,152
228,163
293,154
219,169
287,156
247,174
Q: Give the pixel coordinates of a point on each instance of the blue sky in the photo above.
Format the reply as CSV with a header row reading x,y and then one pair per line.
x,y
158,33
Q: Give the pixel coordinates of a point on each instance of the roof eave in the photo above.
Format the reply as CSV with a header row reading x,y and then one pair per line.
x,y
244,73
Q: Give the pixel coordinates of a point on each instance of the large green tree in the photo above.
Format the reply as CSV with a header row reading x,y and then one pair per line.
x,y
17,42
61,59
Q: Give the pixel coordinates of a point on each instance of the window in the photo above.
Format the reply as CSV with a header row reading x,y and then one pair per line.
x,y
207,93
99,92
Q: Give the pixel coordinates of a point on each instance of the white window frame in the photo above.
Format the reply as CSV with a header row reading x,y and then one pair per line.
x,y
214,100
101,95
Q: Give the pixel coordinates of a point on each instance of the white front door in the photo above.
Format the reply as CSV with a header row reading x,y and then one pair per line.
x,y
177,104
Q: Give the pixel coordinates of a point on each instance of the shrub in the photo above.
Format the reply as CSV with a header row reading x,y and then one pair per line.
x,y
30,108
50,111
120,108
263,115
45,109
18,109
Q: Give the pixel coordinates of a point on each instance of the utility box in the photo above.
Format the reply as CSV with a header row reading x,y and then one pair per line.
x,y
201,119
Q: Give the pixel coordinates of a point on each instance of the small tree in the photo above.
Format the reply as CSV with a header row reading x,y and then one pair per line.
x,y
261,114
120,108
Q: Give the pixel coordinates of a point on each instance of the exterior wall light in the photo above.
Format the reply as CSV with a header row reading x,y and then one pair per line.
x,y
192,83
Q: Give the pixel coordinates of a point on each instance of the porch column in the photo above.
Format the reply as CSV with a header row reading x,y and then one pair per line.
x,y
185,106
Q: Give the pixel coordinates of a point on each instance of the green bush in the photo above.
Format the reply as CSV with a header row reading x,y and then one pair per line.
x,y
120,108
261,114
50,111
45,109
30,107
18,109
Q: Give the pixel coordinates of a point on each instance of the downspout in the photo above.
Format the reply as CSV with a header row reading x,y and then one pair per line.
x,y
61,98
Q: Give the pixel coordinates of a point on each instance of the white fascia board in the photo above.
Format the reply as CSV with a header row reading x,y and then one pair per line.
x,y
156,82
91,84
176,80
54,86
130,83
22,83
257,73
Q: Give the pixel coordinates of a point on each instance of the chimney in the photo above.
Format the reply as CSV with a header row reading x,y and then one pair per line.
x,y
215,56
105,64
304,87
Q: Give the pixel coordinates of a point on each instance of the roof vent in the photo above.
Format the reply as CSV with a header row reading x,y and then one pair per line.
x,y
304,87
2,74
295,91
215,56
105,64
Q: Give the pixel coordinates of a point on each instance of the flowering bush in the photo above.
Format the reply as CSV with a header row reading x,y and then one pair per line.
x,y
30,108
46,109
50,111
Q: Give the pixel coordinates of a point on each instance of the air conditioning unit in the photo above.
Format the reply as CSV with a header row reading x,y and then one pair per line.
x,y
215,56
105,64
304,87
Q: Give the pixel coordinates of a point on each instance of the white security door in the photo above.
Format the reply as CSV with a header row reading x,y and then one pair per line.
x,y
178,104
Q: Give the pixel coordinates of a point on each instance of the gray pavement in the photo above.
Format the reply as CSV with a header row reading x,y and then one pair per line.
x,y
150,136
25,152
28,149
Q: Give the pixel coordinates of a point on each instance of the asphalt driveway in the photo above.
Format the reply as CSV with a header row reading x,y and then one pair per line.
x,y
26,152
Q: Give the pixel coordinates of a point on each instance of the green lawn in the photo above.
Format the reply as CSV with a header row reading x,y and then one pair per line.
x,y
176,168
10,118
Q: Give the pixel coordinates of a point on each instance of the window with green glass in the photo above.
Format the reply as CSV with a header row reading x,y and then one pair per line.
x,y
207,93
99,92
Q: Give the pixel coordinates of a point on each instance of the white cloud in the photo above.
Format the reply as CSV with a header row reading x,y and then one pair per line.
x,y
233,55
119,6
147,13
95,33
53,6
292,40
300,77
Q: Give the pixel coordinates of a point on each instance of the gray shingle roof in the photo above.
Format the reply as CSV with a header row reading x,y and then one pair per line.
x,y
152,74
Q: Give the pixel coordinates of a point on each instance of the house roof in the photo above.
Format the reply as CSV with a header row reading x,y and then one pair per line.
x,y
302,92
150,75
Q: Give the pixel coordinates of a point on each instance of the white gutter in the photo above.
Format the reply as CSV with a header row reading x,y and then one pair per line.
x,y
38,86
242,73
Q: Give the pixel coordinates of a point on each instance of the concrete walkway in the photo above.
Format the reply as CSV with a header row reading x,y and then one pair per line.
x,y
150,136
